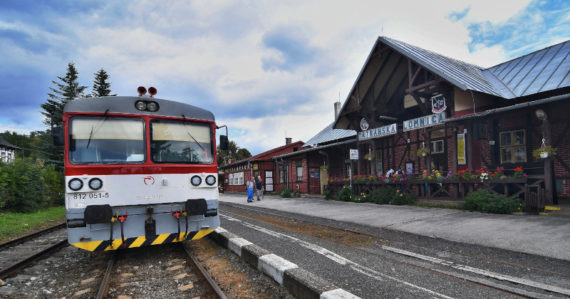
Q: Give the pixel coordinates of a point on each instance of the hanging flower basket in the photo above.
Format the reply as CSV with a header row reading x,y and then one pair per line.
x,y
544,152
422,152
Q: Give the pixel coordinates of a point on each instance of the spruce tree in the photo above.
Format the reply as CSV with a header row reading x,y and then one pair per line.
x,y
65,90
101,87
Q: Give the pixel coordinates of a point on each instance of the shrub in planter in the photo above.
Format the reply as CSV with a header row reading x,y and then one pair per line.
x,y
485,201
346,194
286,193
328,194
381,196
403,198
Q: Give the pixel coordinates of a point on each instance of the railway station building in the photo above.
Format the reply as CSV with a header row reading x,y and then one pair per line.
x,y
417,111
239,172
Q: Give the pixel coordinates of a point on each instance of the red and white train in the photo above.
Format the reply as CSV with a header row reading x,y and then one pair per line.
x,y
139,171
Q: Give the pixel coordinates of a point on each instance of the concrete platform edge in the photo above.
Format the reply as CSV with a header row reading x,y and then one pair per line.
x,y
298,281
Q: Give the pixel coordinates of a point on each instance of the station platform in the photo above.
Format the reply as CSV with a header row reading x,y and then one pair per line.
x,y
533,234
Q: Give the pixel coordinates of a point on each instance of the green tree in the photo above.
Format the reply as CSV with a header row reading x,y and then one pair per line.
x,y
242,153
234,152
65,90
101,88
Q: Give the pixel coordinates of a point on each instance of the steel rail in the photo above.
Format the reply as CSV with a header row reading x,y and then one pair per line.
x,y
205,274
20,264
30,236
104,286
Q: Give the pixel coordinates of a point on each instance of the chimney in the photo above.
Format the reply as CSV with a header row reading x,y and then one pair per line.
x,y
336,110
288,140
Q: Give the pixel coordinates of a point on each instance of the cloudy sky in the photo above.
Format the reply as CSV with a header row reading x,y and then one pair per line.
x,y
267,69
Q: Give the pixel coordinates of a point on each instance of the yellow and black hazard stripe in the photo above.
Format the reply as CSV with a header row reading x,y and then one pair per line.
x,y
105,245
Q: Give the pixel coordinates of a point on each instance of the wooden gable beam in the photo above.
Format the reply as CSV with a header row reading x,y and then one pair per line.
x,y
394,70
423,85
413,77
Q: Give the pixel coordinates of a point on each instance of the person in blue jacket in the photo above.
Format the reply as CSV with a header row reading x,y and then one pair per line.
x,y
249,185
259,187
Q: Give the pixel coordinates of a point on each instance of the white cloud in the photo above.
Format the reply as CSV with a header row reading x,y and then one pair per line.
x,y
216,46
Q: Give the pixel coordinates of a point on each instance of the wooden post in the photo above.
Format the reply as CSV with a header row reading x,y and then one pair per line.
x,y
548,179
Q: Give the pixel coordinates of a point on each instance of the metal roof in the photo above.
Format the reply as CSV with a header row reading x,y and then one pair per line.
x,y
459,73
126,105
352,140
537,72
329,134
541,71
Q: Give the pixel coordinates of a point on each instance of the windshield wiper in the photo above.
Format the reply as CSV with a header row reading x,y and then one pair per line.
x,y
187,131
100,124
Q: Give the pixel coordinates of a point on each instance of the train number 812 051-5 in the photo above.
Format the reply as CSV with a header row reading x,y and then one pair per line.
x,y
90,195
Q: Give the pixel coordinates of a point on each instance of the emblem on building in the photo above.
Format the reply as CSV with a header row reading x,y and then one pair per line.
x,y
364,124
438,104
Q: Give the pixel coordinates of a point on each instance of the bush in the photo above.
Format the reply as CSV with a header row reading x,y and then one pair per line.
x,y
484,201
403,198
346,194
26,186
382,196
327,193
285,193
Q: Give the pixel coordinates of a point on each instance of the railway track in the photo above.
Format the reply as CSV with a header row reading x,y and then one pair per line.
x,y
181,266
21,252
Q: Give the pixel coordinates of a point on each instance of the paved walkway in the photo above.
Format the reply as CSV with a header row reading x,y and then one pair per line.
x,y
540,235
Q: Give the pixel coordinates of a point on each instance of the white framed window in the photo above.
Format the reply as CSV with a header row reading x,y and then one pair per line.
x,y
513,146
437,147
299,172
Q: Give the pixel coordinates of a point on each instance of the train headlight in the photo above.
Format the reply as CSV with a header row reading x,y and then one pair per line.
x,y
95,184
140,105
196,180
210,180
152,106
75,184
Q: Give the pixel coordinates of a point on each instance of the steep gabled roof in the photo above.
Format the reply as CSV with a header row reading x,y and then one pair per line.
x,y
461,74
544,70
537,72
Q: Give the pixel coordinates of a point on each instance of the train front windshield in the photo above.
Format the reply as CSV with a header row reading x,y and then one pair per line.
x,y
181,142
106,140
114,140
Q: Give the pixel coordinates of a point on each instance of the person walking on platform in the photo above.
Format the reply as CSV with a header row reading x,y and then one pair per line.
x,y
259,187
250,185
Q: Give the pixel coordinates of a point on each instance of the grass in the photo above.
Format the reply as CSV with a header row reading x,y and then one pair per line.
x,y
19,224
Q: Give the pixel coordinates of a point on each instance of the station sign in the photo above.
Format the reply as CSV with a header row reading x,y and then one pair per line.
x,y
378,132
353,154
424,121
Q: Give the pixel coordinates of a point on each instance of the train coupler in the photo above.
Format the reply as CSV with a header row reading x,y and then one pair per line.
x,y
177,214
122,219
